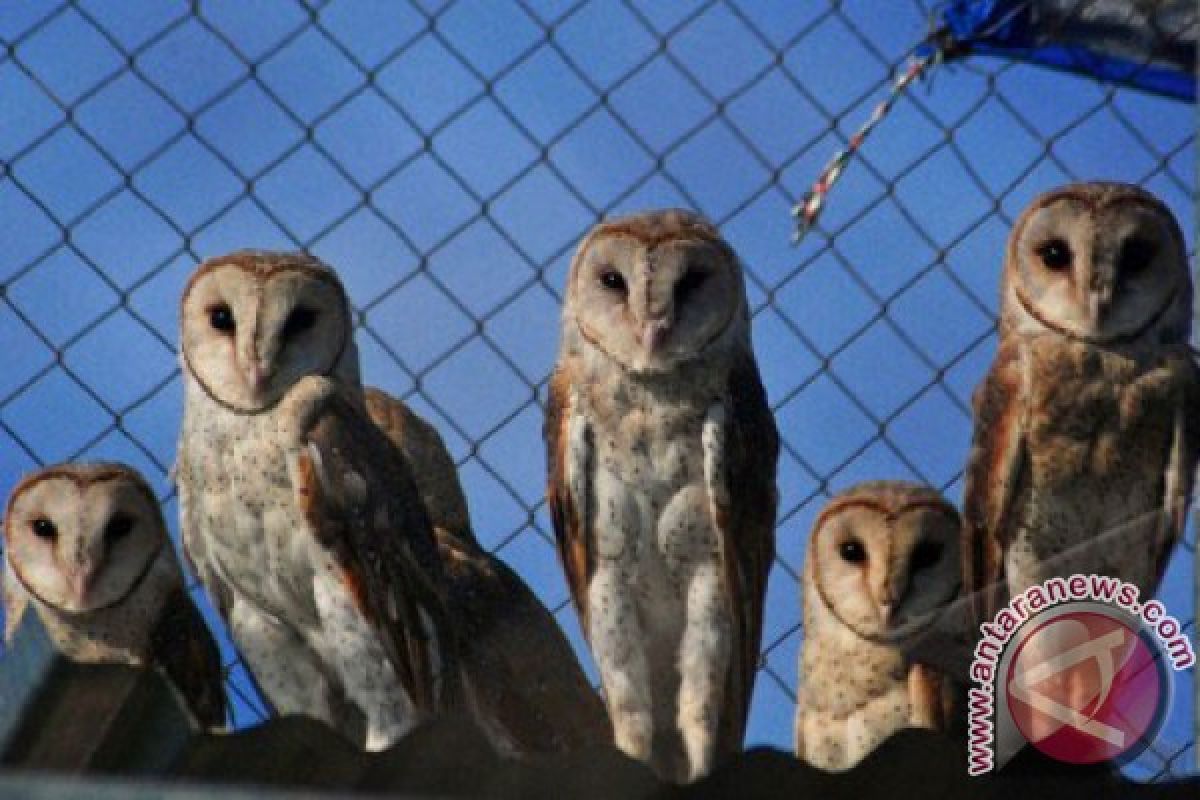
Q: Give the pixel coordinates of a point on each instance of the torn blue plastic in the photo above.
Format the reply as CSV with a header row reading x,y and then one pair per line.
x,y
1148,46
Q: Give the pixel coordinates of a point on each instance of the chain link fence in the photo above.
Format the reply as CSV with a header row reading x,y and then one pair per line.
x,y
446,157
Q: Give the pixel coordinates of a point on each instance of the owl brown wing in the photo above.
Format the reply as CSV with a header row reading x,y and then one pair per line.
x,y
746,523
430,462
1181,465
930,697
182,647
997,470
521,673
357,493
575,548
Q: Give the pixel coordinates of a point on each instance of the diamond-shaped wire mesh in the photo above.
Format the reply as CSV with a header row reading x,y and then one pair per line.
x,y
446,156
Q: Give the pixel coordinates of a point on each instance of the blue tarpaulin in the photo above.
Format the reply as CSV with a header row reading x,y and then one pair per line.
x,y
1150,44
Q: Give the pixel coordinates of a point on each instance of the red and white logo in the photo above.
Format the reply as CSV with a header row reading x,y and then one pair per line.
x,y
1086,687
1078,667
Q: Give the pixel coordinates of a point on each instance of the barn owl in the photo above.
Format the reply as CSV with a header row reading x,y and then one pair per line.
x,y
86,548
521,677
299,516
1086,426
882,563
662,453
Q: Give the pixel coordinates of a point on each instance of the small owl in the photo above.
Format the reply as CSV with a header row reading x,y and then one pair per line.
x,y
86,548
882,563
520,675
301,519
1087,426
662,452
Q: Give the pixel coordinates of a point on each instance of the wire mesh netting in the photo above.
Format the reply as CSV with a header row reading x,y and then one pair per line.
x,y
445,157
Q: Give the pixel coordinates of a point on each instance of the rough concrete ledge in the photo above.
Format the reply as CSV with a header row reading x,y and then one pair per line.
x,y
450,758
61,716
299,758
69,731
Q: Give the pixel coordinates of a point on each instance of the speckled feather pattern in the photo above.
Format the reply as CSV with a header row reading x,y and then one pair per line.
x,y
240,524
1099,434
662,486
155,624
855,691
1086,432
300,519
292,607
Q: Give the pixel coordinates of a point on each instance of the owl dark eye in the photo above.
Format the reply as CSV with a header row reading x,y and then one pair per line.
x,y
44,528
221,318
612,280
852,551
1136,254
926,555
118,527
692,280
299,321
1055,254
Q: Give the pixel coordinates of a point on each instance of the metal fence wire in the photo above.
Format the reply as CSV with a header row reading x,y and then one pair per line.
x,y
447,156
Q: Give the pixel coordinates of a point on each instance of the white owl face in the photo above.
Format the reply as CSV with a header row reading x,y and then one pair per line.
x,y
1100,262
884,568
80,537
255,323
655,290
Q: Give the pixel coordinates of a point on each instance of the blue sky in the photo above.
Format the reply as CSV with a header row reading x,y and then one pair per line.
x,y
447,157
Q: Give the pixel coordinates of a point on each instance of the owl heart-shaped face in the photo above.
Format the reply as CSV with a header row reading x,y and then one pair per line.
x,y
255,323
79,537
1099,262
883,558
655,290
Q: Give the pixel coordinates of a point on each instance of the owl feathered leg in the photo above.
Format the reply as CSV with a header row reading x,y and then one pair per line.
x,y
705,648
363,664
290,677
621,661
614,625
704,662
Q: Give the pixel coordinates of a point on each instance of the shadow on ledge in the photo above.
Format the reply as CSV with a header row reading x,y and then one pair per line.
x,y
129,727
450,757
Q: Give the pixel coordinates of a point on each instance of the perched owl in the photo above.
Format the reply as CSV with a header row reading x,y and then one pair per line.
x,y
882,563
1086,426
85,546
520,675
662,453
300,517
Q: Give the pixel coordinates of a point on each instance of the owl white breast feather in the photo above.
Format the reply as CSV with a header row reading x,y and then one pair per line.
x,y
662,453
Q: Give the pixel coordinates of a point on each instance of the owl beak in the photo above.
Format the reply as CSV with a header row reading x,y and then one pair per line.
x,y
654,333
891,596
79,582
1099,302
257,376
